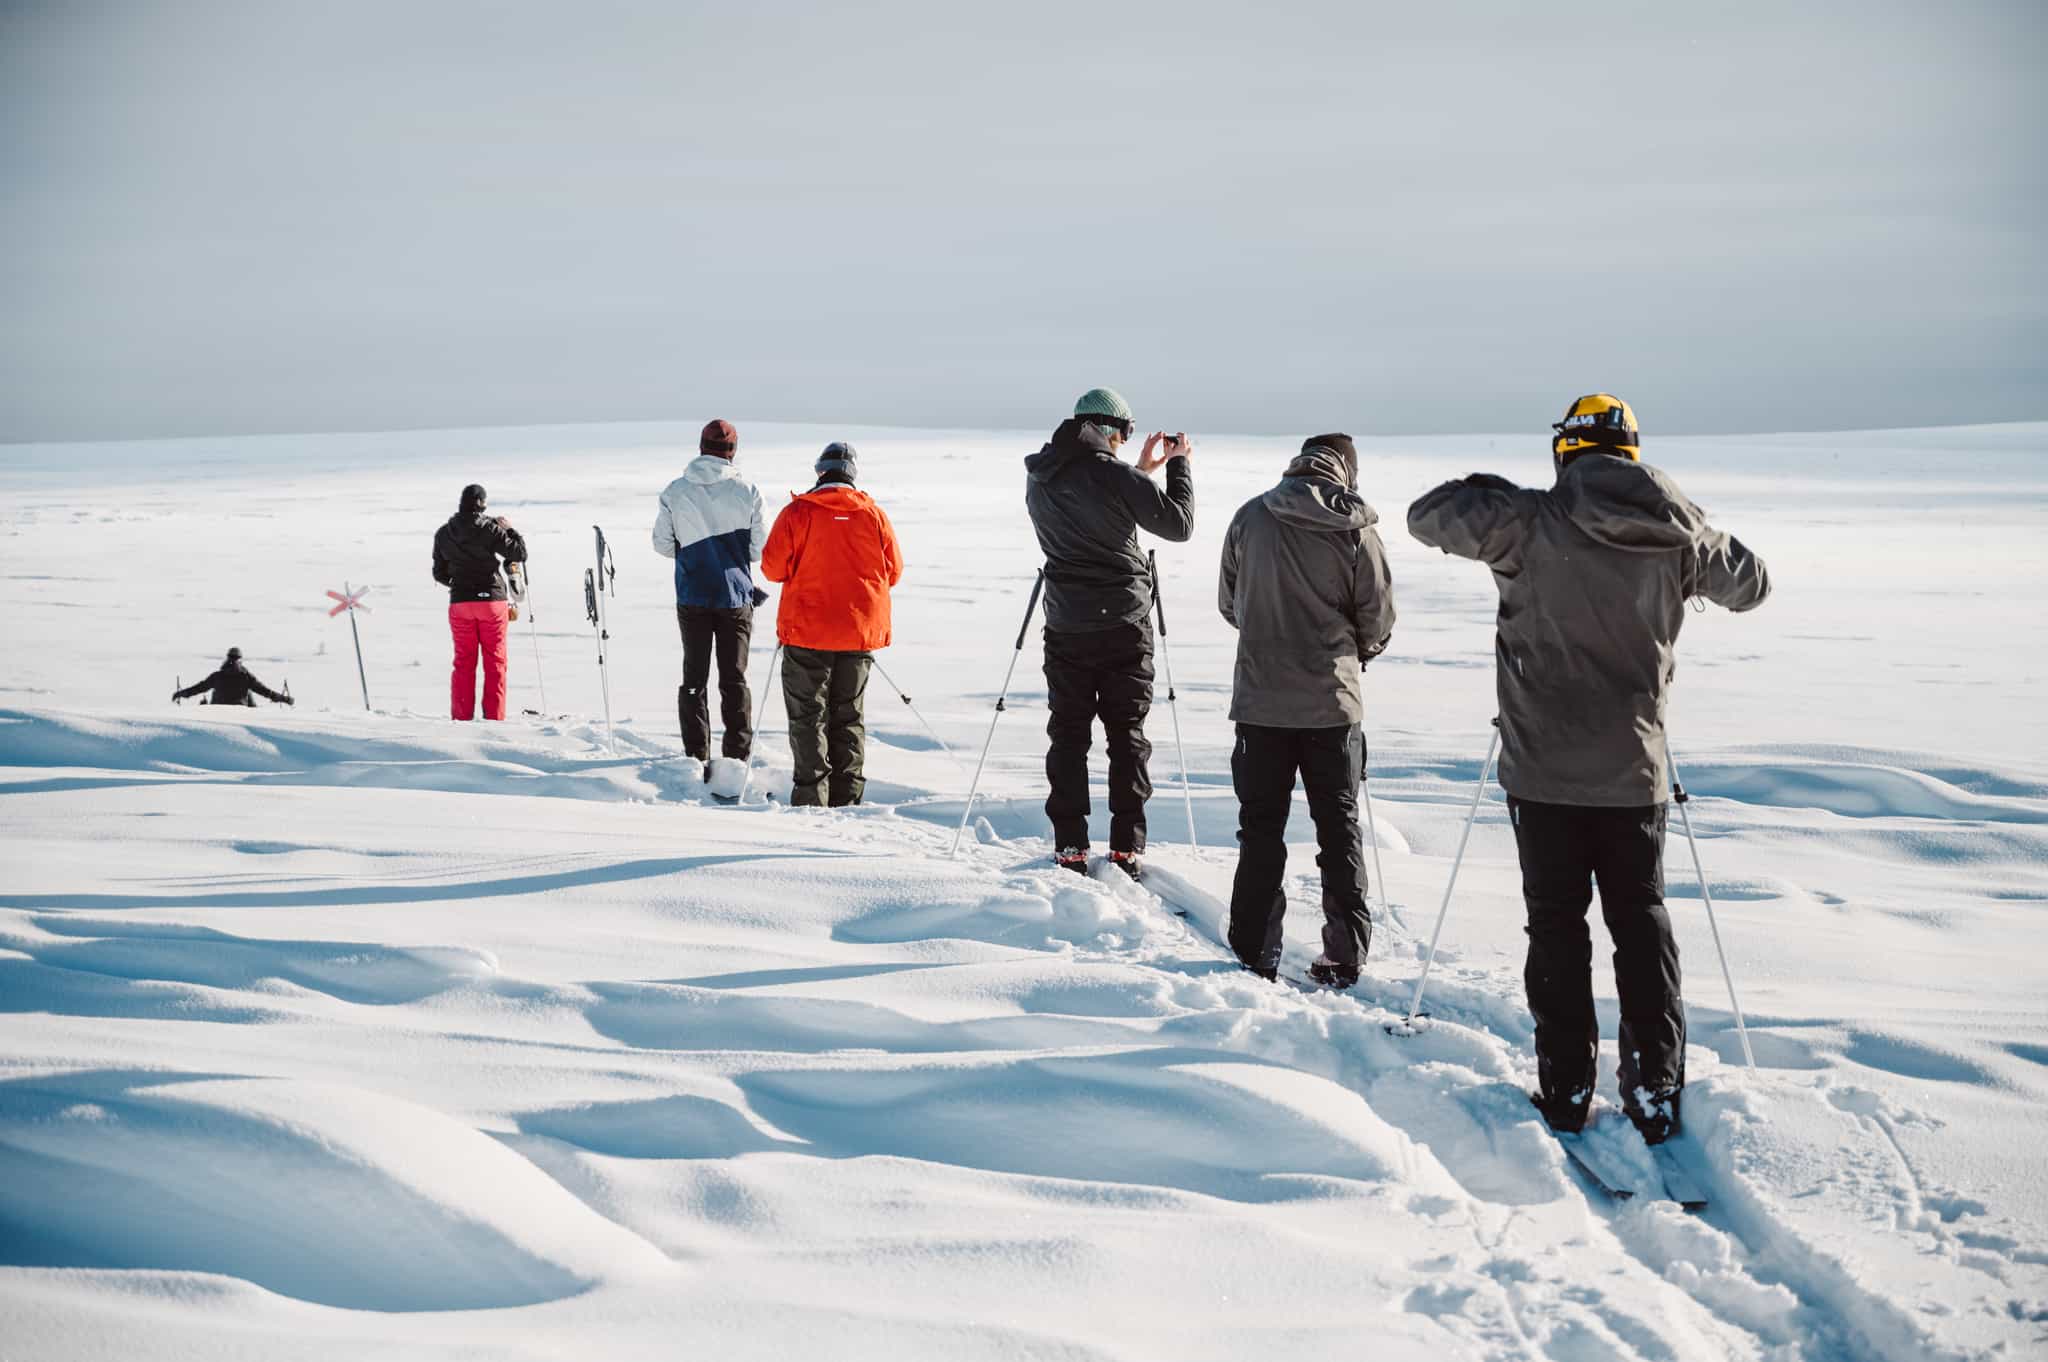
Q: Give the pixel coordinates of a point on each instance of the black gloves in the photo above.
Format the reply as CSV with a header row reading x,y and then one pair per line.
x,y
760,596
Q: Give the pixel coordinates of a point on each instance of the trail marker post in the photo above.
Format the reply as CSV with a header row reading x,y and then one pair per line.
x,y
351,600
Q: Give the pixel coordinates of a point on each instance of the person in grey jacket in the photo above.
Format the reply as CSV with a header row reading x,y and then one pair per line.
x,y
1594,575
1305,583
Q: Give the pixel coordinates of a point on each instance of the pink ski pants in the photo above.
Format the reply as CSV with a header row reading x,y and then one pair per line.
x,y
479,627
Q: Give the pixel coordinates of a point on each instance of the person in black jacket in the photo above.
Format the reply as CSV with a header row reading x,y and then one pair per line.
x,y
467,551
1087,508
233,684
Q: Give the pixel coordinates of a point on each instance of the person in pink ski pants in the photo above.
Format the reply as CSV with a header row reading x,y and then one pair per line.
x,y
467,553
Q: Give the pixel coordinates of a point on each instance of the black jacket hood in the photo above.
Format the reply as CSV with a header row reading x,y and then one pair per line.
x,y
1075,439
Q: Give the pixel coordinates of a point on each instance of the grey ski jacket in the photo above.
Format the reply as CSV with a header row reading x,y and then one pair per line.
x,y
1304,580
1593,575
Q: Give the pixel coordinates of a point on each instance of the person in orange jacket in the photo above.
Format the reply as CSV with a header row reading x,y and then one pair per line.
x,y
837,554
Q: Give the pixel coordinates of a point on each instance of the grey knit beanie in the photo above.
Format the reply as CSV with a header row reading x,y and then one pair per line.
x,y
838,459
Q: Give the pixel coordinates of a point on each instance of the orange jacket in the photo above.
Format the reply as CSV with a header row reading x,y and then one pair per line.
x,y
838,554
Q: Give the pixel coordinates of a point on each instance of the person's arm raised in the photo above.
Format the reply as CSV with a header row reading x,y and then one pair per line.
x,y
1725,572
1474,517
1170,513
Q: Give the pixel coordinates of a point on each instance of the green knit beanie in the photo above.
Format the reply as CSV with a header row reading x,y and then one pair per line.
x,y
1103,402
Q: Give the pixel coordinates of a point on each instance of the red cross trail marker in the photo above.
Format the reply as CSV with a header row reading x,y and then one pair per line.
x,y
350,602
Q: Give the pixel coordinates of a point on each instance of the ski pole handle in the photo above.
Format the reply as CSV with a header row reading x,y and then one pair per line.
x,y
1030,609
1158,601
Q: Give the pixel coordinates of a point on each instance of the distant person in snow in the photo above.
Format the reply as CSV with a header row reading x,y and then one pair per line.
x,y
1594,575
1305,583
1087,507
233,684
709,521
467,553
836,553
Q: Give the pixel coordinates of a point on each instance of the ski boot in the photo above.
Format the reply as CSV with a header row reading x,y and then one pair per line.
x,y
1332,974
1128,862
1072,858
1565,1113
1655,1114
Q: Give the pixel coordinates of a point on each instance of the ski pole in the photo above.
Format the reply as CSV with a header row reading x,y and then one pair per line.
x,y
607,579
747,785
1030,609
1172,701
918,712
1372,828
533,633
761,712
1478,792
177,699
1681,798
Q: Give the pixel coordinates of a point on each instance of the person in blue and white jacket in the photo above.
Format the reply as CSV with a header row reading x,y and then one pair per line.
x,y
710,523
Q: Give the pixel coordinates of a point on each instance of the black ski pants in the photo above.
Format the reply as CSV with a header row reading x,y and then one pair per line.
x,y
1102,674
825,693
1565,849
1263,765
708,630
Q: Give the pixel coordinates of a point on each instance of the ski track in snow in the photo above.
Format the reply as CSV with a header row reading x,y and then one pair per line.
x,y
309,1052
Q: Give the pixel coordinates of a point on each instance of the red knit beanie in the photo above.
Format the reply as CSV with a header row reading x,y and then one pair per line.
x,y
719,438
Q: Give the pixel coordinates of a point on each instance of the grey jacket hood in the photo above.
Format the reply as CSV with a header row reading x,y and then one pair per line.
x,y
1627,505
1304,581
1316,502
1323,461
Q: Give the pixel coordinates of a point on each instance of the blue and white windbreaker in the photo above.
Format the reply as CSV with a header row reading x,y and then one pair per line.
x,y
710,523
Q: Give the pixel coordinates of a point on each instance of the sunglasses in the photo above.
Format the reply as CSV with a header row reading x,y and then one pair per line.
x,y
1593,422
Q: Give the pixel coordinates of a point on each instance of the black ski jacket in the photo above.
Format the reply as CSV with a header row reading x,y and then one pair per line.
x,y
1087,507
231,685
466,554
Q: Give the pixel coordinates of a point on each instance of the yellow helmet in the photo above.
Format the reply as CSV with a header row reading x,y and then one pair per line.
x,y
1600,421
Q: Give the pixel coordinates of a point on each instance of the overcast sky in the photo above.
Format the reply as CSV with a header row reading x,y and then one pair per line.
x,y
283,216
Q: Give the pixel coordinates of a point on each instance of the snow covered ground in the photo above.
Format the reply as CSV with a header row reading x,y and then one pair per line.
x,y
330,1033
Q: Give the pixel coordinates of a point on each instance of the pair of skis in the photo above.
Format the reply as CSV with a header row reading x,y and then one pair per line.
x,y
1674,1183
1615,1179
597,583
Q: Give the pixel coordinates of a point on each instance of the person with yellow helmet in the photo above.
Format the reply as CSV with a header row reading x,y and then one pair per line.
x,y
1594,574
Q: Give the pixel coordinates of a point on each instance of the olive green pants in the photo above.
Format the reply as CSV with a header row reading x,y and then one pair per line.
x,y
825,693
